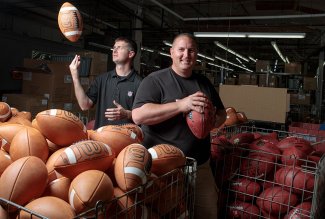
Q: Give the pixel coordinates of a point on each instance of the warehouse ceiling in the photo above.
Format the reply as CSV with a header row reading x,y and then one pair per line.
x,y
160,20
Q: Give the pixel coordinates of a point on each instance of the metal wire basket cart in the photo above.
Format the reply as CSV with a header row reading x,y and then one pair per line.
x,y
5,204
252,185
168,196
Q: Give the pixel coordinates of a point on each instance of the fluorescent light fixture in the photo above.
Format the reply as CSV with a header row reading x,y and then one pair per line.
x,y
231,63
147,49
251,58
156,66
250,35
231,51
219,66
275,46
199,60
220,34
204,56
287,59
277,35
167,43
164,54
275,65
240,62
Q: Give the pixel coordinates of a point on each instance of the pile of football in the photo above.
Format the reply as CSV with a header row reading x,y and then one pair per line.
x,y
234,117
264,175
55,167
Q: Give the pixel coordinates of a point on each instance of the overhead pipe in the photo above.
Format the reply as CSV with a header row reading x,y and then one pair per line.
x,y
44,12
98,20
256,17
238,17
167,9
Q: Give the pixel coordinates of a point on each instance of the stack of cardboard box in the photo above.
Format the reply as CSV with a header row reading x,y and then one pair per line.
x,y
48,84
247,79
267,80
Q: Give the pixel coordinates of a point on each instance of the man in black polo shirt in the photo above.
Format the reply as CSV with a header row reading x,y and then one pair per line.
x,y
113,91
162,100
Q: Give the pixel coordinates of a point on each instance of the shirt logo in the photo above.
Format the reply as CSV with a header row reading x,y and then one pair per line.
x,y
130,93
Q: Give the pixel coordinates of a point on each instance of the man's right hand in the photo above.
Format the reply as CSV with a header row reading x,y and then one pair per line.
x,y
74,66
197,101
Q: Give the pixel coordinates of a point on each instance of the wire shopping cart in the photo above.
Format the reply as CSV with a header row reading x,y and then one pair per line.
x,y
260,184
168,196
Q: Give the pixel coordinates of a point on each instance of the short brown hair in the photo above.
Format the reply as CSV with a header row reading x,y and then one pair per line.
x,y
189,35
132,46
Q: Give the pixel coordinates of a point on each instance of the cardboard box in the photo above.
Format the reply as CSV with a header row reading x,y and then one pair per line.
x,y
26,102
98,62
258,103
86,115
300,99
271,82
254,79
231,81
310,83
262,66
74,108
55,84
247,79
292,68
294,83
85,83
244,79
85,62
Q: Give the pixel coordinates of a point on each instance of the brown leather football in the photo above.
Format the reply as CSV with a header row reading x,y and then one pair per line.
x,y
200,123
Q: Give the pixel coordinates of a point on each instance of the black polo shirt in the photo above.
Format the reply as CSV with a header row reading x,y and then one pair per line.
x,y
166,86
108,87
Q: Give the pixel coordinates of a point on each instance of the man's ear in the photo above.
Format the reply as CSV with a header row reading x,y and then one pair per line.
x,y
131,54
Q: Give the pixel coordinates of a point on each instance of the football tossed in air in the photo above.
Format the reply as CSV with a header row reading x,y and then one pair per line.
x,y
61,127
70,22
82,156
200,123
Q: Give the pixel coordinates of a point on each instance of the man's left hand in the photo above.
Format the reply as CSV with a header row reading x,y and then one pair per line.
x,y
117,113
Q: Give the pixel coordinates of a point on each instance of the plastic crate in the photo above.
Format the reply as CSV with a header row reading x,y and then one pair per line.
x,y
173,192
232,169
